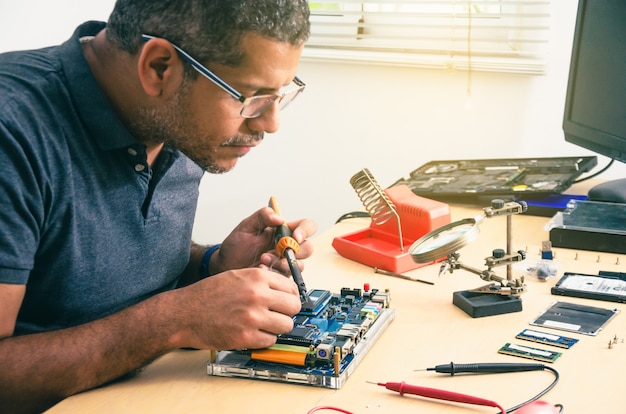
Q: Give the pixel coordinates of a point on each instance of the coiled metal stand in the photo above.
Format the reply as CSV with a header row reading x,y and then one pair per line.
x,y
380,208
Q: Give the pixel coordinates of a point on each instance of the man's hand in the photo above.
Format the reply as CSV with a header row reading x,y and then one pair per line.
x,y
251,243
244,308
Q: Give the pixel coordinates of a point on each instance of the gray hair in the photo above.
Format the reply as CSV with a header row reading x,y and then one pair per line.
x,y
209,30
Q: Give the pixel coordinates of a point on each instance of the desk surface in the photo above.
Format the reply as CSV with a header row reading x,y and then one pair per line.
x,y
428,330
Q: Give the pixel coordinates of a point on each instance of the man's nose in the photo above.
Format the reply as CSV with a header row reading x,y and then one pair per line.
x,y
268,121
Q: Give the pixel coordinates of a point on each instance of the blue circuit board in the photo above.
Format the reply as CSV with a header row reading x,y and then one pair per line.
x,y
546,338
331,335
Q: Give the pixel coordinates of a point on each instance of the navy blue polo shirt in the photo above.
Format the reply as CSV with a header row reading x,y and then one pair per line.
x,y
85,223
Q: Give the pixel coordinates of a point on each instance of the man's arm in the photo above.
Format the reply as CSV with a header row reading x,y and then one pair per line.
x,y
192,271
11,297
41,369
241,308
236,309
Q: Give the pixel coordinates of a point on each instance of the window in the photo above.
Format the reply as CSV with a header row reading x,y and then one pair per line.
x,y
488,35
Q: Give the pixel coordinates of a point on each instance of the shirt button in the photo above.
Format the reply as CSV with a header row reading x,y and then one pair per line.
x,y
132,151
139,167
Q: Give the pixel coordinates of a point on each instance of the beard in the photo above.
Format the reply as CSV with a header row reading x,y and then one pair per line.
x,y
172,124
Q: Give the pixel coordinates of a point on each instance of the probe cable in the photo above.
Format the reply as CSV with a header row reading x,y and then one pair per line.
x,y
597,173
497,368
452,369
329,408
484,368
542,393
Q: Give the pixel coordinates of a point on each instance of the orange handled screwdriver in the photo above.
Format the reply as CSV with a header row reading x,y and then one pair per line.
x,y
287,247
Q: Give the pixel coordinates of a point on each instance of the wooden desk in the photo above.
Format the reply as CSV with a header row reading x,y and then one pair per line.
x,y
428,330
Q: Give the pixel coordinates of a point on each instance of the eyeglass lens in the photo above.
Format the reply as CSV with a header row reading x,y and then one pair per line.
x,y
259,104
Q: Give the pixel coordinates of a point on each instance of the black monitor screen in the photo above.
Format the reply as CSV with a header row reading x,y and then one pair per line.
x,y
595,107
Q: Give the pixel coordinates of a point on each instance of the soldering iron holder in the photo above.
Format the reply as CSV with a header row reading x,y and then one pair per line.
x,y
379,245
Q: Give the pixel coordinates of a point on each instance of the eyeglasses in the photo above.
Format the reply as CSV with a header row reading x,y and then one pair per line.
x,y
253,106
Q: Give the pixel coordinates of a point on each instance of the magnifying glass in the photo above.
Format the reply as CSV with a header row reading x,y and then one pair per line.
x,y
445,240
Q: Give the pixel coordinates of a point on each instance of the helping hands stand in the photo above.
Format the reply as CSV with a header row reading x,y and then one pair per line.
x,y
500,296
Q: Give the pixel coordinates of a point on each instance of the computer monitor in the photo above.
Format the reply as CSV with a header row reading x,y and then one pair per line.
x,y
595,105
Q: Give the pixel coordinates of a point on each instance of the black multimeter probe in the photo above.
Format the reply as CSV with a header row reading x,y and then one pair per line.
x,y
485,368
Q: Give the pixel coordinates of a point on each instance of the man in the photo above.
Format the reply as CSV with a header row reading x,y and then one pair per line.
x,y
103,141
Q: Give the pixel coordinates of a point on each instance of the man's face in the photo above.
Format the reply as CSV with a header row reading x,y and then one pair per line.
x,y
204,122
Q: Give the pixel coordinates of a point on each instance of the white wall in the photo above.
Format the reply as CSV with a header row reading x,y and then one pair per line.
x,y
388,119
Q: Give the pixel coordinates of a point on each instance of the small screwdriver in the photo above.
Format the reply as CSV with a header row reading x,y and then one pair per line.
x,y
288,247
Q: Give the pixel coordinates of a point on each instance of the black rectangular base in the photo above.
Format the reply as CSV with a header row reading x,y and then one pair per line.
x,y
582,239
477,304
590,225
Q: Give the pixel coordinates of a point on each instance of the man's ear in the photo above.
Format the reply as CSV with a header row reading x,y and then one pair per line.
x,y
160,69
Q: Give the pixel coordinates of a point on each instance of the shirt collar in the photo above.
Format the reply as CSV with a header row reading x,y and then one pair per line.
x,y
90,100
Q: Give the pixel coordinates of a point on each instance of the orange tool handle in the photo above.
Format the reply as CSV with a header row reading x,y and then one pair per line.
x,y
282,235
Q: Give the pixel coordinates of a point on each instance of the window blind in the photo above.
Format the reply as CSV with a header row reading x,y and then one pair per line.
x,y
487,35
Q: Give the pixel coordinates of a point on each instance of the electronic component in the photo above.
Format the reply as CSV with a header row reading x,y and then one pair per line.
x,y
608,287
546,338
485,179
546,250
590,225
329,338
529,352
587,320
317,299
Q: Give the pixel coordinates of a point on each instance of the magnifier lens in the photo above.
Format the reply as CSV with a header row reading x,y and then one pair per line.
x,y
443,241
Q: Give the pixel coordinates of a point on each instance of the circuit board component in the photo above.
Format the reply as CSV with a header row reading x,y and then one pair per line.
x,y
529,352
546,338
331,335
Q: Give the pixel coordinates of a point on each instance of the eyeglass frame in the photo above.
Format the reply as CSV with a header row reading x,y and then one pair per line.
x,y
246,101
